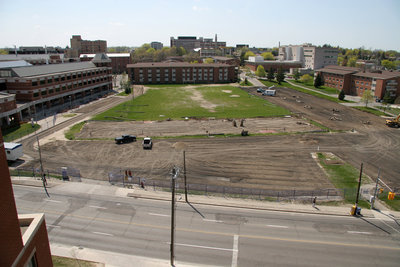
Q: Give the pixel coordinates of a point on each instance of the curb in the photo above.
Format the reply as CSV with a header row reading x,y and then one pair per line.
x,y
252,208
31,183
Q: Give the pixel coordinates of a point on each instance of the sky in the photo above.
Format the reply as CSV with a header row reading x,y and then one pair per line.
x,y
372,24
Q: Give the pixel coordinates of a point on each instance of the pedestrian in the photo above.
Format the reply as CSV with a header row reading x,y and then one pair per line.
x,y
314,201
142,184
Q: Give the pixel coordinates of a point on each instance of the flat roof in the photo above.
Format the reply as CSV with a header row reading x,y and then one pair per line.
x,y
108,54
14,64
52,69
377,75
173,64
11,146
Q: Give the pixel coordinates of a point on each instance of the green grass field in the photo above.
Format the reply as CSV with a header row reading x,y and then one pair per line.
x,y
19,131
323,88
179,101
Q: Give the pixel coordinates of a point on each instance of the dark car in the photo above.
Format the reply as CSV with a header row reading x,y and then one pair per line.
x,y
125,139
260,90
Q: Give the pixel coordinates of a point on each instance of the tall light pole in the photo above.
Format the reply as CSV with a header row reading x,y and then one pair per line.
x,y
175,173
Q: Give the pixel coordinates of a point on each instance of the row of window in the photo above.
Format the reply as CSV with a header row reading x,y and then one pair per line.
x,y
68,87
68,77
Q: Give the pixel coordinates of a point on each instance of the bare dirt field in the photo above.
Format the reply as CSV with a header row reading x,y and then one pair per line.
x,y
278,162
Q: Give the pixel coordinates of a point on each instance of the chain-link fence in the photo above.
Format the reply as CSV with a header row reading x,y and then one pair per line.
x,y
122,178
72,173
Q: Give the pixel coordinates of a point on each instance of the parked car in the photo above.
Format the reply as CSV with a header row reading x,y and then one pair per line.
x,y
147,143
125,139
260,90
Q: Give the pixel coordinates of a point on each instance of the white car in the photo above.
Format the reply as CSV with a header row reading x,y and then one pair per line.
x,y
147,143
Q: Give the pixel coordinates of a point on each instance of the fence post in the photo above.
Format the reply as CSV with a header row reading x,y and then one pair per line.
x,y
327,194
206,190
33,172
154,186
294,194
277,199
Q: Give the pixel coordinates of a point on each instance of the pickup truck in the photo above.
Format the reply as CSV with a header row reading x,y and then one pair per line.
x,y
147,143
125,139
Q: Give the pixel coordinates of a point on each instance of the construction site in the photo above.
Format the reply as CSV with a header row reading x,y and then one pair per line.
x,y
276,154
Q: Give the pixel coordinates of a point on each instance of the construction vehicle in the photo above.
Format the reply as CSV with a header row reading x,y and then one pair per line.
x,y
393,122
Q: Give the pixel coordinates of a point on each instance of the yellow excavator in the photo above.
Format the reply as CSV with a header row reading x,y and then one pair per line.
x,y
393,122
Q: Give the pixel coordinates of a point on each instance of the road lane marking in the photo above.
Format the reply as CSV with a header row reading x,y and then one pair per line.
x,y
235,250
55,226
277,226
98,207
303,241
197,246
51,200
209,220
161,215
357,232
100,233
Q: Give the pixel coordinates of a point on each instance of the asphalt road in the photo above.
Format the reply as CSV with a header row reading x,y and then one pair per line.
x,y
215,236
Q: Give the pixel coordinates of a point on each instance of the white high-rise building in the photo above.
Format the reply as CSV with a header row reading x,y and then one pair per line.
x,y
311,57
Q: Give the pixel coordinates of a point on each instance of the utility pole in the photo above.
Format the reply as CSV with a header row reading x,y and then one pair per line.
x,y
41,167
175,172
376,190
184,175
359,185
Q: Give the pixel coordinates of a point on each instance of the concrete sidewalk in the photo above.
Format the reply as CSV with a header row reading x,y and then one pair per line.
x,y
104,188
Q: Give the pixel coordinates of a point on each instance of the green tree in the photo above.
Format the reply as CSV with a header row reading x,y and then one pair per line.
x,y
352,61
387,99
318,81
242,53
270,75
340,61
248,54
390,65
367,97
181,51
260,72
126,86
280,76
268,56
208,60
306,79
341,95
296,74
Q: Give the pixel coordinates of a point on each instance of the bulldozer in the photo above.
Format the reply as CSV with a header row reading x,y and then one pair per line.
x,y
393,122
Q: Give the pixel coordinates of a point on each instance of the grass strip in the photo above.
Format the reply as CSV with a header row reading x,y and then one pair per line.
x,y
70,262
22,130
344,176
372,111
75,129
306,91
393,204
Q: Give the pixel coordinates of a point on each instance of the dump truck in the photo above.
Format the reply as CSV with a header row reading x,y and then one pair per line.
x,y
393,122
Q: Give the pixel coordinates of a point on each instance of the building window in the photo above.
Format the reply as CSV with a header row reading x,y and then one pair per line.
x,y
35,94
44,93
34,83
42,82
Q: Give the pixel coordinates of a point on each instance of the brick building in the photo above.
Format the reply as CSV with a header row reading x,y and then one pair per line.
x,y
181,72
52,88
254,62
354,81
24,240
192,42
8,110
79,46
119,61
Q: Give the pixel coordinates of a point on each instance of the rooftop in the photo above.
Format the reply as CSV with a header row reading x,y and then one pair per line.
x,y
14,64
52,69
172,64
